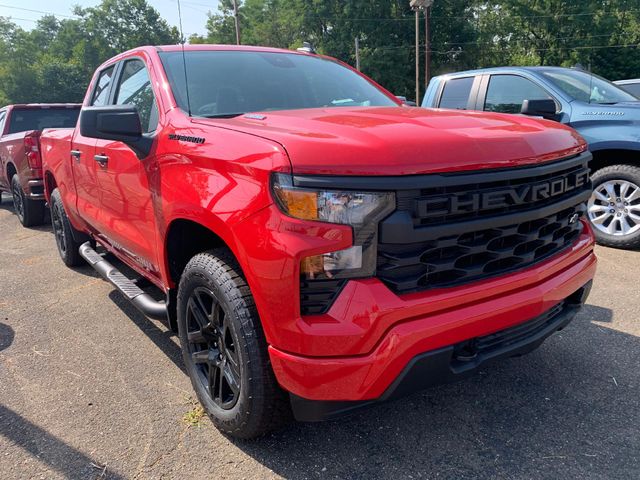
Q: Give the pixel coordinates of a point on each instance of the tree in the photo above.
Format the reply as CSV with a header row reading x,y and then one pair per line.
x,y
54,61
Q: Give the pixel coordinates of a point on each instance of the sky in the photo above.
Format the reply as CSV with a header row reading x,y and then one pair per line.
x,y
25,13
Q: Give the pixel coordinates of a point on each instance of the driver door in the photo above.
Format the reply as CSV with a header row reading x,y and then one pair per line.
x,y
127,203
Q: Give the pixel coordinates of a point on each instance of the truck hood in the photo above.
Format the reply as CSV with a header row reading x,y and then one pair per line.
x,y
405,141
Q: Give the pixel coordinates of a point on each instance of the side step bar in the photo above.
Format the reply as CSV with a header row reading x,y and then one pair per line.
x,y
141,300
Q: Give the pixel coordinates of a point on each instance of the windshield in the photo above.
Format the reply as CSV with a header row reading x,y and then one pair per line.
x,y
589,88
25,119
228,83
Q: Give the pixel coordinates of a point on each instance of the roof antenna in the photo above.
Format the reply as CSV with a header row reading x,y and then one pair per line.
x,y
590,80
184,60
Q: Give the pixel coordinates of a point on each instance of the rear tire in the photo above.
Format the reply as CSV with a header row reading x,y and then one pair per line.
x,y
30,212
224,348
62,230
614,206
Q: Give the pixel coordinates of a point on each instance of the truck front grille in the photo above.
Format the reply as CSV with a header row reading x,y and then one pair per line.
x,y
453,229
419,250
455,259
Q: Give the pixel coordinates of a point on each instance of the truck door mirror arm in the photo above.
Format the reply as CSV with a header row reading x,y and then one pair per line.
x,y
116,122
545,108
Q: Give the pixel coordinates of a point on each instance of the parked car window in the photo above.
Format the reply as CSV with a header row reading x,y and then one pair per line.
x,y
507,92
2,117
587,87
25,119
456,93
228,83
135,89
632,88
101,92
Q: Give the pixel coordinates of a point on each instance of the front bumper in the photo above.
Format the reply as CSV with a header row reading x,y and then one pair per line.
x,y
454,362
395,330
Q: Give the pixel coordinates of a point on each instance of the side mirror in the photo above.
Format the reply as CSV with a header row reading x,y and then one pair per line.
x,y
116,122
408,103
545,108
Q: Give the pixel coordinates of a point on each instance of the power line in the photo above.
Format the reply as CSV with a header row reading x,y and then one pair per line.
x,y
38,11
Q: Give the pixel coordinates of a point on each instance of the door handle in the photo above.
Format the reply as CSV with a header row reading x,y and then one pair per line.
x,y
101,159
76,154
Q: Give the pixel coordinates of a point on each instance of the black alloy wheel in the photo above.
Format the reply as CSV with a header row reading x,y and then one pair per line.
x,y
58,229
212,348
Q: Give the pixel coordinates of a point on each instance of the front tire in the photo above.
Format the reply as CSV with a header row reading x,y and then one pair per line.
x,y
62,230
224,348
614,206
30,212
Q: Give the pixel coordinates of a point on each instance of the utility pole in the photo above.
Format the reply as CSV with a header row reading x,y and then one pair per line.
x,y
427,47
358,53
235,16
417,6
417,10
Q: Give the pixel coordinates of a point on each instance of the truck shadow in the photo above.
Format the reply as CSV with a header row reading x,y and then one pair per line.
x,y
6,336
56,454
565,407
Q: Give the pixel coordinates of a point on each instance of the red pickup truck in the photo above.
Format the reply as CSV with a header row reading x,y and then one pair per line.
x,y
321,247
20,162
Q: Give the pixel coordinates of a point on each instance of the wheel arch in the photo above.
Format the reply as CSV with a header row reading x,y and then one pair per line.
x,y
50,184
184,239
614,156
10,171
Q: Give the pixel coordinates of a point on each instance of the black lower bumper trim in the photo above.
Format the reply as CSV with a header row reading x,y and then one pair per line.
x,y
454,362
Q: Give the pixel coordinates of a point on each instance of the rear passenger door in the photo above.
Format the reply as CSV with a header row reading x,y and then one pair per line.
x,y
85,167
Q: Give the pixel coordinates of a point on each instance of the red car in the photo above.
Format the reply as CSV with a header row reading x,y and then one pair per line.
x,y
320,246
20,162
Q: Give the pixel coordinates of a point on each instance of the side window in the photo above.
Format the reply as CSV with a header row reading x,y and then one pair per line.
x,y
101,92
3,115
135,89
456,93
507,92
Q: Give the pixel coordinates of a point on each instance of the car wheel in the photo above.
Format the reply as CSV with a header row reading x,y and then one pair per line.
x,y
62,230
224,348
29,212
614,206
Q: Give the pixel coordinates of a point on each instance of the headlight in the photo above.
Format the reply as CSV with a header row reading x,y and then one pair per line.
x,y
360,210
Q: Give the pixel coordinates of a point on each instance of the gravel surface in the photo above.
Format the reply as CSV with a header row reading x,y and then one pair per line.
x,y
90,388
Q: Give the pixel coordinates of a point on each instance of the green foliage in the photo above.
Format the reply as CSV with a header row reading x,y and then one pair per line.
x,y
54,61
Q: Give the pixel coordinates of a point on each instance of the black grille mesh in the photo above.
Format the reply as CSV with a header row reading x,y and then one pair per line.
x,y
457,259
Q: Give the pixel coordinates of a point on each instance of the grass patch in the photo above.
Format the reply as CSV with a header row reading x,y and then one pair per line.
x,y
195,415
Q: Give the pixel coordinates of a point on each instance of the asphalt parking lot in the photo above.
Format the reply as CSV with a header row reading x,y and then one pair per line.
x,y
90,388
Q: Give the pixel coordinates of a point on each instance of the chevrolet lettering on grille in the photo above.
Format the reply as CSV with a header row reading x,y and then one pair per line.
x,y
500,198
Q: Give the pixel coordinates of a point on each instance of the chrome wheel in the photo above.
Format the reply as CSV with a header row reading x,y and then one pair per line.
x,y
212,348
614,207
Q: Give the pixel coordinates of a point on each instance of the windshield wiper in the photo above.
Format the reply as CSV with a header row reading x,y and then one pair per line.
x,y
224,115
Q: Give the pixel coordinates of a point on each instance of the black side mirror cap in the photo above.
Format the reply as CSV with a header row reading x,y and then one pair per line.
x,y
116,122
545,108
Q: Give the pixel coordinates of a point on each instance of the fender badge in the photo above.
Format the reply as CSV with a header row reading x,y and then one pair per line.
x,y
185,138
574,218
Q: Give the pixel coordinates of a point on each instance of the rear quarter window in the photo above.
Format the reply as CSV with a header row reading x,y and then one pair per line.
x,y
22,120
456,93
